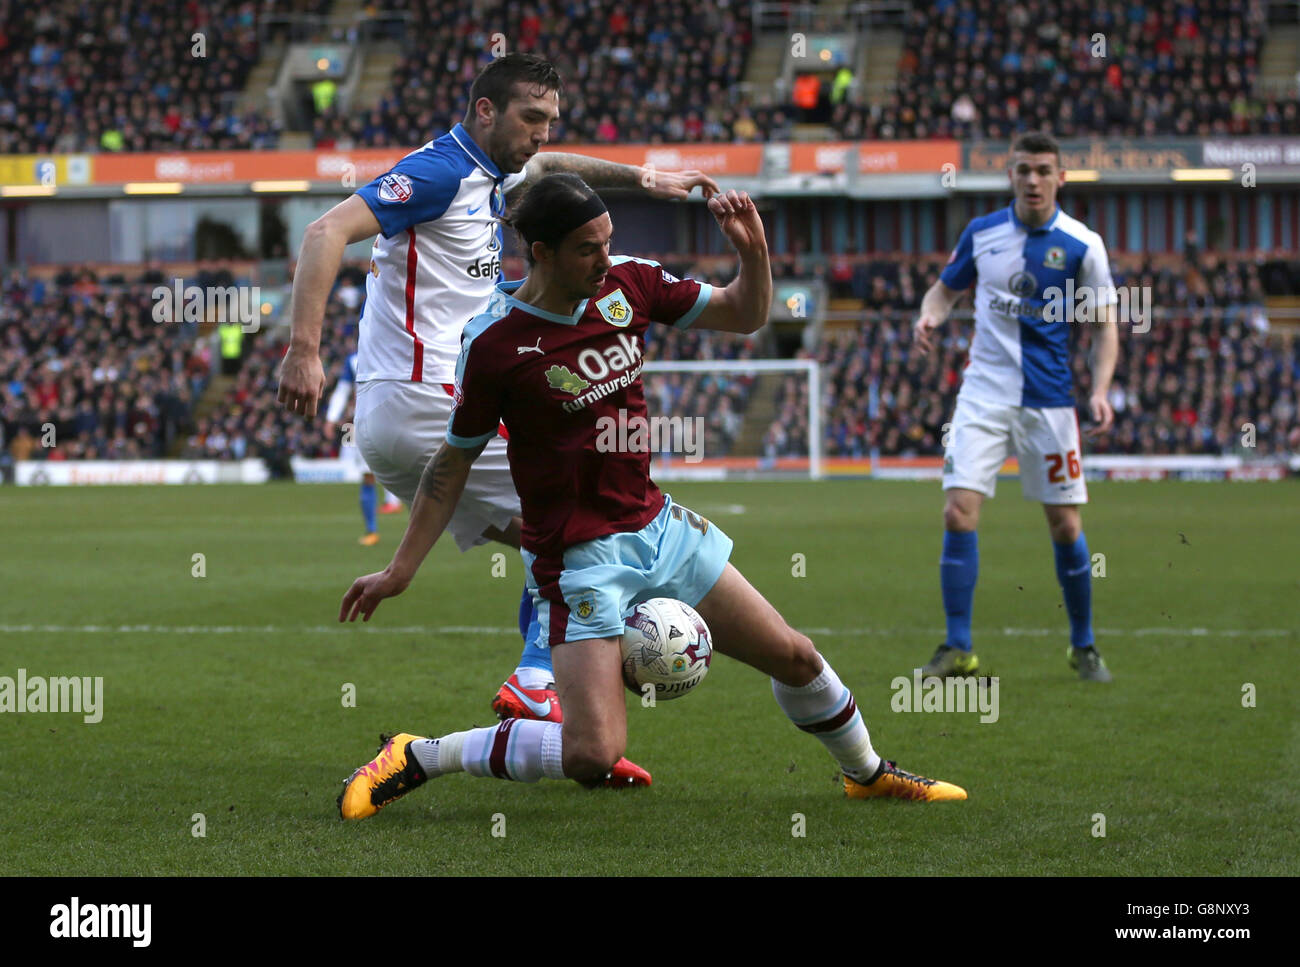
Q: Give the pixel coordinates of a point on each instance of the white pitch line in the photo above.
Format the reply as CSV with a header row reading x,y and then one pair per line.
x,y
722,509
489,630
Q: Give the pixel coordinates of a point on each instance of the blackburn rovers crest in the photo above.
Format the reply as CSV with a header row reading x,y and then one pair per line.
x,y
614,309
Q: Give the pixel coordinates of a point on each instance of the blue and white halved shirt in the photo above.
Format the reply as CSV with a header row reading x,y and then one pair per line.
x,y
1017,357
434,265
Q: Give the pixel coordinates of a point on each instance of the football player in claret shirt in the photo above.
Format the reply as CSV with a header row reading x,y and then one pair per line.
x,y
435,221
551,355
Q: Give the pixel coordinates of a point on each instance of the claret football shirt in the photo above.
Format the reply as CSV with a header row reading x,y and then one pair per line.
x,y
552,379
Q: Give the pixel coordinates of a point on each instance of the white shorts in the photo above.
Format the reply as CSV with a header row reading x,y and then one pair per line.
x,y
400,426
351,456
1045,440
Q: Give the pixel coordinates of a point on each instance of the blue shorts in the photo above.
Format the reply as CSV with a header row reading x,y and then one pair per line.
x,y
677,555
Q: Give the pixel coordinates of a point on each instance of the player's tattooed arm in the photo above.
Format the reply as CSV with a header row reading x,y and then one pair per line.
x,y
607,174
441,485
594,171
448,466
440,488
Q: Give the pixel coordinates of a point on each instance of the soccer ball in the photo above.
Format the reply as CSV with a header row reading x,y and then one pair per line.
x,y
667,645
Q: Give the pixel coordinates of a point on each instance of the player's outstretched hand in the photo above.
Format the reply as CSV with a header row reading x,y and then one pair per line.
x,y
302,382
739,220
678,184
366,593
923,334
1103,416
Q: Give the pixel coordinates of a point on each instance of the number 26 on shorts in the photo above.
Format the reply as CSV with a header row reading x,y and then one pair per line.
x,y
1054,463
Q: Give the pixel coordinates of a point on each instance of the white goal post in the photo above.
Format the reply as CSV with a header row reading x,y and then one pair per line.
x,y
738,403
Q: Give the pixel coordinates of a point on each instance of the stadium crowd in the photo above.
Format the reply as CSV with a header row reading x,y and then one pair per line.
x,y
249,422
143,75
249,417
78,76
628,70
81,356
984,69
1208,366
85,372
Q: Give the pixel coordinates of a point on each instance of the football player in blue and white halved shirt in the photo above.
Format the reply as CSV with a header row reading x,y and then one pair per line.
x,y
435,261
1017,394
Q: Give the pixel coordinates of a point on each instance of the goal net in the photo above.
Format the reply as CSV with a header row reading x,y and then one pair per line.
x,y
716,419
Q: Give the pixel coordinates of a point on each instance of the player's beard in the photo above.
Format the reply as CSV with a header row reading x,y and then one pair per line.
x,y
506,156
518,155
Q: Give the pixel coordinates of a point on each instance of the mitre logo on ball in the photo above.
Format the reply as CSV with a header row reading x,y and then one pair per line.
x,y
667,648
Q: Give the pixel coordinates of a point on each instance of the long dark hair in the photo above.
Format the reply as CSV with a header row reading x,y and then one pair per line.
x,y
540,214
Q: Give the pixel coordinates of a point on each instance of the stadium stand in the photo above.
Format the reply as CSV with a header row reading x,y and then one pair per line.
x,y
80,355
78,76
97,77
249,422
1206,368
1211,365
628,73
981,69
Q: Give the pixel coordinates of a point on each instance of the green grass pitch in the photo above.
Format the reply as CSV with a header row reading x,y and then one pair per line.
x,y
223,694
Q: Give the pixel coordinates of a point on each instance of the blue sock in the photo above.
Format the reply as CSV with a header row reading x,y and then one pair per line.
x,y
368,506
535,654
959,567
527,614
1074,572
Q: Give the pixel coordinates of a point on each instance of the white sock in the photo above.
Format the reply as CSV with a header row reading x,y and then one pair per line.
x,y
518,749
826,708
530,677
437,757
